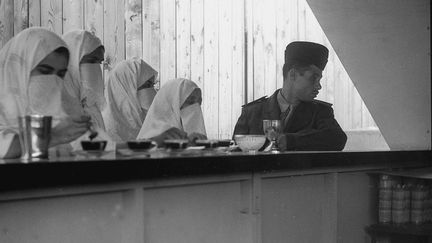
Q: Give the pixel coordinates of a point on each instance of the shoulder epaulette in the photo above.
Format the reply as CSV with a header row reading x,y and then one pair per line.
x,y
256,101
323,103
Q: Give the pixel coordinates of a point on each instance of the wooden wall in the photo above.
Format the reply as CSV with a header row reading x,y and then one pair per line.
x,y
232,49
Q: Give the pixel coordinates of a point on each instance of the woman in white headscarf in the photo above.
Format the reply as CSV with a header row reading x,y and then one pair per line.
x,y
175,113
86,85
129,93
32,67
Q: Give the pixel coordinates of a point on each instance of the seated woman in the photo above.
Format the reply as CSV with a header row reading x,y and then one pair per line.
x,y
129,93
32,67
175,113
86,84
84,91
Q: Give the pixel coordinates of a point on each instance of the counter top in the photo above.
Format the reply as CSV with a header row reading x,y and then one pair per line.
x,y
87,168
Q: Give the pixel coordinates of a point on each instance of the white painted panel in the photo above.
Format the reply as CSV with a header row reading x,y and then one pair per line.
x,y
356,206
298,209
385,48
210,213
74,219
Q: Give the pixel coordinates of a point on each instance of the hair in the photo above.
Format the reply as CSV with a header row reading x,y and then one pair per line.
x,y
63,51
298,66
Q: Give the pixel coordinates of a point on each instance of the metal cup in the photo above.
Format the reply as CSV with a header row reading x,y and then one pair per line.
x,y
35,134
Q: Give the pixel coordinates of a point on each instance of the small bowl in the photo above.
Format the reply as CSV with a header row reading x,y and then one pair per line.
x,y
94,145
207,143
225,143
141,144
176,143
250,142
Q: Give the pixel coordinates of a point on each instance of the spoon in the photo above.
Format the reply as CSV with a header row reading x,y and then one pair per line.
x,y
93,133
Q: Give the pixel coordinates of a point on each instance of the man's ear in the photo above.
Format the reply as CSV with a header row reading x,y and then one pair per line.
x,y
292,74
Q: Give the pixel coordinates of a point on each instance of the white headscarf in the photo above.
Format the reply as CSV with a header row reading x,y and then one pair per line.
x,y
81,43
123,115
18,58
164,113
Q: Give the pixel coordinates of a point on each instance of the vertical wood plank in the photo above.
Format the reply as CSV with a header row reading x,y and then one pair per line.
x,y
338,98
167,41
301,8
6,21
197,42
367,119
183,33
146,30
349,100
357,109
344,89
286,32
264,48
225,68
238,63
133,33
73,15
258,50
151,34
328,77
94,17
269,41
21,17
34,12
364,115
114,32
313,30
211,68
52,15
250,43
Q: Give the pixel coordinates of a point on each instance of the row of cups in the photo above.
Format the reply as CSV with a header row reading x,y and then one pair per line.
x,y
245,143
35,134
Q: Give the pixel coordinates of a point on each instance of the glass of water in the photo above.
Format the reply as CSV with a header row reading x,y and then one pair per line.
x,y
272,128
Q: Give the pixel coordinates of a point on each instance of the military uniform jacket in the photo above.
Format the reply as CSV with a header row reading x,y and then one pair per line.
x,y
311,126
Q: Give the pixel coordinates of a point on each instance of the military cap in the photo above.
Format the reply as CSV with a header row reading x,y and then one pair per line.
x,y
306,53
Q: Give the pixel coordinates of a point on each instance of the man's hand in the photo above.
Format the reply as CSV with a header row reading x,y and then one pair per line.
x,y
281,142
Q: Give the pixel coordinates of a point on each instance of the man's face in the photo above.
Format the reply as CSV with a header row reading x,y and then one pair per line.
x,y
307,85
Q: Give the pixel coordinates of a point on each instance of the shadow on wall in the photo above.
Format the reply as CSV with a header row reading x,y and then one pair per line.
x,y
365,139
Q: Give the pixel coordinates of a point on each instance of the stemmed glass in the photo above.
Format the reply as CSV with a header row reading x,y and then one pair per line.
x,y
272,128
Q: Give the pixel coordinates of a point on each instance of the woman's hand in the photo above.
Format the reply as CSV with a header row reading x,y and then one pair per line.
x,y
172,133
195,136
69,129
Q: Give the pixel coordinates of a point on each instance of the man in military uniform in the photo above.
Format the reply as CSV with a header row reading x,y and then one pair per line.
x,y
307,123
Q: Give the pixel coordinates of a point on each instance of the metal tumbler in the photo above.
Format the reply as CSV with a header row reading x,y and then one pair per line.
x,y
35,134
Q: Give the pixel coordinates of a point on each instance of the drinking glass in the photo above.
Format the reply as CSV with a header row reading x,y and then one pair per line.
x,y
34,135
272,128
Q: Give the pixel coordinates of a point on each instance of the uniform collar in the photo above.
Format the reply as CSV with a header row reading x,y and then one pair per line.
x,y
283,103
272,110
